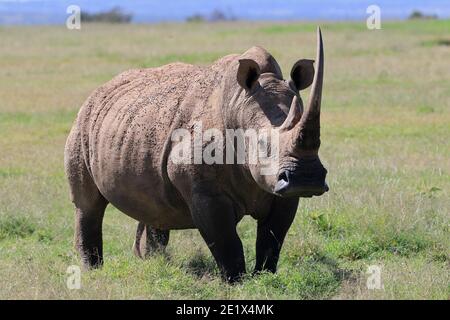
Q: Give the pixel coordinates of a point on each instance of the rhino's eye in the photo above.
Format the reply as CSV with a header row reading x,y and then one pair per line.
x,y
262,142
263,145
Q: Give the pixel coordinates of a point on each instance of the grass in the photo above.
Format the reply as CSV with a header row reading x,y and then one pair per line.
x,y
386,125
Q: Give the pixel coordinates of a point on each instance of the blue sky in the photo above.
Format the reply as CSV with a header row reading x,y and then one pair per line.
x,y
54,11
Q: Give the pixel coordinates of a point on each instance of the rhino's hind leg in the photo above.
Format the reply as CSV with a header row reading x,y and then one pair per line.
x,y
89,203
149,240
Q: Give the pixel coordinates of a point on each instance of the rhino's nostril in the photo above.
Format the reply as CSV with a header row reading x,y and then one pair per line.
x,y
282,184
283,176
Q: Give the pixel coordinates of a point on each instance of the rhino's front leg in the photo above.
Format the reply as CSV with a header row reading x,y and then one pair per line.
x,y
271,233
215,218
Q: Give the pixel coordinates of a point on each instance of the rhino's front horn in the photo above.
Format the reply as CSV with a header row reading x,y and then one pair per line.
x,y
316,92
308,129
315,97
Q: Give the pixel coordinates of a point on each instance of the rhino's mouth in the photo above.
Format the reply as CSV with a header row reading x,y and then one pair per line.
x,y
305,179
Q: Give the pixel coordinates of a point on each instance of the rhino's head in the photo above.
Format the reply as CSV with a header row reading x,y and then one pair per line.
x,y
272,101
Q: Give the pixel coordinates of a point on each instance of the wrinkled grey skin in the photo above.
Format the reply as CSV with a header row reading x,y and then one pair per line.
x,y
119,148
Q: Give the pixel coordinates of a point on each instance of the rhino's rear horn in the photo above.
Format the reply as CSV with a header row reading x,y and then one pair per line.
x,y
294,115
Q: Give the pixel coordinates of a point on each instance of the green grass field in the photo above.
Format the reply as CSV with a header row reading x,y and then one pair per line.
x,y
385,143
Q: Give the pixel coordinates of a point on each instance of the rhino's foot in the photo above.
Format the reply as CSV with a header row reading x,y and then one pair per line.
x,y
149,240
88,236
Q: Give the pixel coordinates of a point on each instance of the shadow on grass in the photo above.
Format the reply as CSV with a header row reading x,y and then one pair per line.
x,y
312,273
339,273
312,277
201,266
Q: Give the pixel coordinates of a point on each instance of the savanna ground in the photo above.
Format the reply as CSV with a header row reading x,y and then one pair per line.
x,y
385,142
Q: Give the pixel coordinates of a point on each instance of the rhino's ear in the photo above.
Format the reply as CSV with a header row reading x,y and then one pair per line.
x,y
248,74
302,74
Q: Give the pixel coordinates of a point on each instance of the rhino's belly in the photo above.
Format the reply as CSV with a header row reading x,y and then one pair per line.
x,y
132,179
147,203
158,216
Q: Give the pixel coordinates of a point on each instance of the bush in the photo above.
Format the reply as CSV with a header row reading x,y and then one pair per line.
x,y
115,15
215,16
416,15
196,18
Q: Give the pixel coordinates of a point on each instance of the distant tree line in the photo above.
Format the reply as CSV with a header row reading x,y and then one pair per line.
x,y
418,15
215,16
115,15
